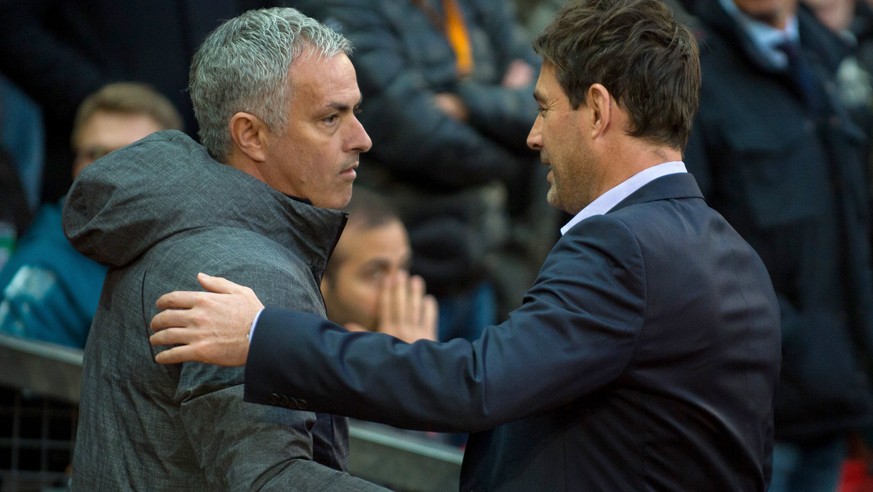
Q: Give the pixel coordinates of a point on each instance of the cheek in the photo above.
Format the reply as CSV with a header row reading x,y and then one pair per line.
x,y
365,295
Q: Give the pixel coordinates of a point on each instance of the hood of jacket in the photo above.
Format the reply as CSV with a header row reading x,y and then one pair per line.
x,y
167,184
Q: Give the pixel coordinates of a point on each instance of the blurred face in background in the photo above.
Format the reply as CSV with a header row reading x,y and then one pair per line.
x,y
773,12
836,14
362,260
106,131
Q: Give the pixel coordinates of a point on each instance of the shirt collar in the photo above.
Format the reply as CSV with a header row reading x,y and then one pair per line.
x,y
765,36
605,202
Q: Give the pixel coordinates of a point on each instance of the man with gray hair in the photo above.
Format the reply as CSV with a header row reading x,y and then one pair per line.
x,y
275,95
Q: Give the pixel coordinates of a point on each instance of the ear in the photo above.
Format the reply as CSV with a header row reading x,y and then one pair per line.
x,y
249,134
599,100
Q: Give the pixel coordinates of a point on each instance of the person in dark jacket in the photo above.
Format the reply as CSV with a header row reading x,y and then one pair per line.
x,y
275,94
645,355
777,153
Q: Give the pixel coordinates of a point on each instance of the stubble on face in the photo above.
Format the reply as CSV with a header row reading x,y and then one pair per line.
x,y
564,148
315,157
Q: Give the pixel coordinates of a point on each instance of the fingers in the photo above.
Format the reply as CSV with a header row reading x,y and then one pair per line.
x,y
176,355
405,311
392,304
199,345
187,299
429,318
174,336
400,297
416,293
219,285
355,327
178,300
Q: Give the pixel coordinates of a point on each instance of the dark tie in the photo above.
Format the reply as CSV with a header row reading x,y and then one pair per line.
x,y
802,76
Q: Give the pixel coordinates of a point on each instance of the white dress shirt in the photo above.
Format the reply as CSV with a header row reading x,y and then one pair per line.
x,y
611,198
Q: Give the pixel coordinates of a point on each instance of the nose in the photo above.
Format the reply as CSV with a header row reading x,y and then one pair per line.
x,y
535,137
359,139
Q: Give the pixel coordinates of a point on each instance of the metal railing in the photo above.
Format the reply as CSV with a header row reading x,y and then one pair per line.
x,y
381,454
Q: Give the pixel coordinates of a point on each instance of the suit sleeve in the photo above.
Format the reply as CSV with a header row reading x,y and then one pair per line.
x,y
574,334
244,446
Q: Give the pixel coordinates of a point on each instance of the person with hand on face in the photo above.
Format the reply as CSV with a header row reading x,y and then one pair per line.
x,y
275,94
366,285
645,355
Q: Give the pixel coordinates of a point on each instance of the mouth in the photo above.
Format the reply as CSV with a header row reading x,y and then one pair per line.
x,y
350,172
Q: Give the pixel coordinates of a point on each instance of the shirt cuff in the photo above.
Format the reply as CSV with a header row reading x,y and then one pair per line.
x,y
254,324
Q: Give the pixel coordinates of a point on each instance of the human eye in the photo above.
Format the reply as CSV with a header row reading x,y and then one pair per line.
x,y
331,120
372,274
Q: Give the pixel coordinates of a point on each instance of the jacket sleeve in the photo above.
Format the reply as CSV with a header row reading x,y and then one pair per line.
x,y
416,140
244,446
575,333
504,114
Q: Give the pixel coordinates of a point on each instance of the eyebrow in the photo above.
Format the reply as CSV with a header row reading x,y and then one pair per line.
x,y
343,107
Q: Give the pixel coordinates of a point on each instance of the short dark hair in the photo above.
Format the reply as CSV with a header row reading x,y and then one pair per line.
x,y
639,52
367,210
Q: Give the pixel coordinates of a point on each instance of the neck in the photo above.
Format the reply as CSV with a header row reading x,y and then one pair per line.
x,y
635,156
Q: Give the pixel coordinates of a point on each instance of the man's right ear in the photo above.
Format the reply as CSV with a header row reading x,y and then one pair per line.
x,y
249,134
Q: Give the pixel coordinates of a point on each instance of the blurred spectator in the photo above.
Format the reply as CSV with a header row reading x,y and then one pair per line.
x,y
22,135
447,88
366,286
48,290
535,15
776,153
59,51
852,20
14,212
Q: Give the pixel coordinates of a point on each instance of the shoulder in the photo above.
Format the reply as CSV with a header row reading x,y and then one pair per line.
x,y
602,241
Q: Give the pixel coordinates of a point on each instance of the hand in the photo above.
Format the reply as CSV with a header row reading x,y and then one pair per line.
x,y
518,75
405,311
210,327
452,106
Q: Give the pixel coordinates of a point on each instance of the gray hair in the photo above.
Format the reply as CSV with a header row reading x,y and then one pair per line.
x,y
243,65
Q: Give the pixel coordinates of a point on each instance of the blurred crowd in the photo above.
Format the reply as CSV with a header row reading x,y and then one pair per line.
x,y
458,199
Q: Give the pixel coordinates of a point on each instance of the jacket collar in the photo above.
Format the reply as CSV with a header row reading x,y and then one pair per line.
x,y
671,186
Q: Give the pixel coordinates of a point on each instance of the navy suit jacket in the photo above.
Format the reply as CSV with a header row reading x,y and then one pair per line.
x,y
644,357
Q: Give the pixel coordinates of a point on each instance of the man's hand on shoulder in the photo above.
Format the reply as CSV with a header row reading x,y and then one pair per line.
x,y
210,327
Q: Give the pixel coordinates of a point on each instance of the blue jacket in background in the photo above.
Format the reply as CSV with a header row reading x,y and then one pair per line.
x,y
49,290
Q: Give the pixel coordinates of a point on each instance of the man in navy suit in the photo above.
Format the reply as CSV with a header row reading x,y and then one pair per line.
x,y
644,357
